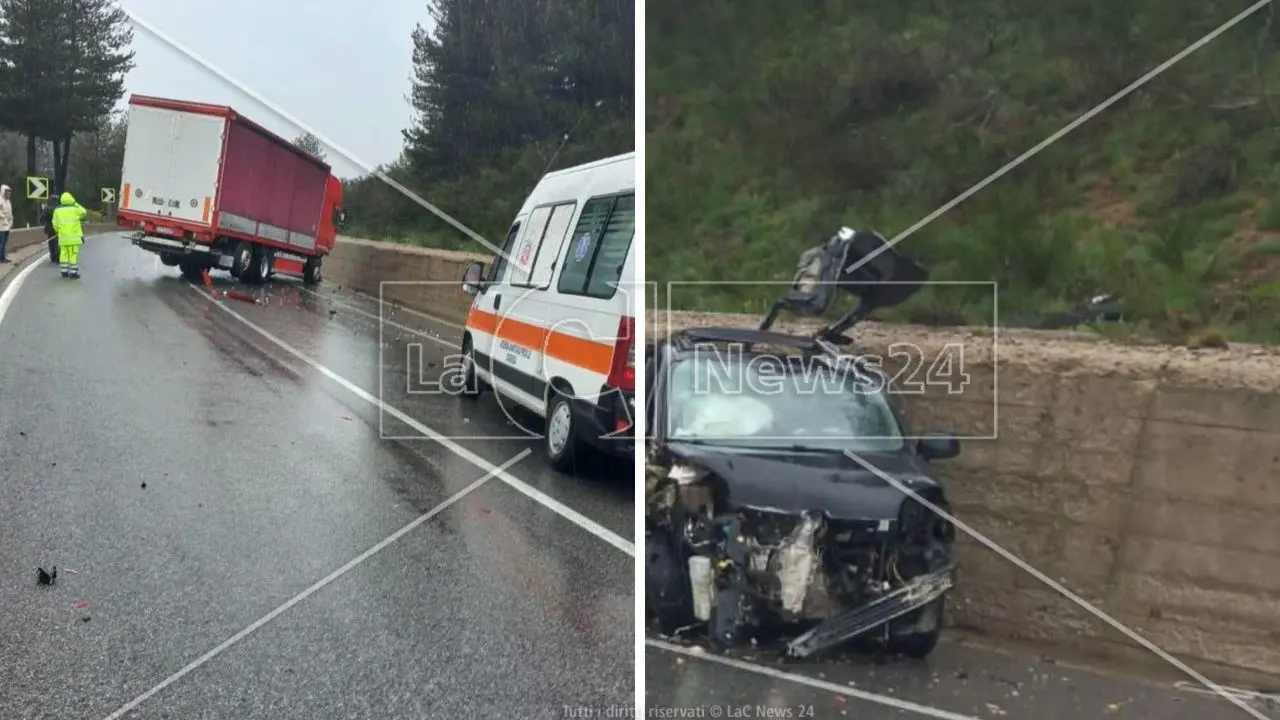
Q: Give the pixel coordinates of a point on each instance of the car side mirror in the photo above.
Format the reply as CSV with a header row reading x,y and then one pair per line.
x,y
473,278
938,446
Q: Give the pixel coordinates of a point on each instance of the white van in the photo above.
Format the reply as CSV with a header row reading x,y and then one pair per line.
x,y
552,326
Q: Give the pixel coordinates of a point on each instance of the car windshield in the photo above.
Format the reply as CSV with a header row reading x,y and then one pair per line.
x,y
765,402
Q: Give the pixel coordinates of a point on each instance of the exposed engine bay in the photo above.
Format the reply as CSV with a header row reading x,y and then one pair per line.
x,y
741,570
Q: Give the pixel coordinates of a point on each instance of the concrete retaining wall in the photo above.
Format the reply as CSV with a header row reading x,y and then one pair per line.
x,y
422,279
1147,480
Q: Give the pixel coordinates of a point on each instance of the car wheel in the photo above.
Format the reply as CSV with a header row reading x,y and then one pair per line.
x,y
668,597
560,437
919,645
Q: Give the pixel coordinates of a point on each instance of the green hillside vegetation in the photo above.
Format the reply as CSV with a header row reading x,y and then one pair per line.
x,y
771,124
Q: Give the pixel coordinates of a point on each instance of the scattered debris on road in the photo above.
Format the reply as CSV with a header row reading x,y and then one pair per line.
x,y
46,578
242,297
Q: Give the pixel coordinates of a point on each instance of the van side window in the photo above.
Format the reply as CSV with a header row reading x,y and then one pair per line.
x,y
499,265
599,247
535,256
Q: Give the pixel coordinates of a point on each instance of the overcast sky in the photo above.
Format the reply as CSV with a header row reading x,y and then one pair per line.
x,y
341,66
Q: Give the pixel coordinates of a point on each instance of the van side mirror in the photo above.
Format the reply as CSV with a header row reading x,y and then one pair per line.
x,y
938,446
473,278
340,218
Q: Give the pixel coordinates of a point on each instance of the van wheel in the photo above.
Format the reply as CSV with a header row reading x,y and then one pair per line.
x,y
311,272
560,437
471,385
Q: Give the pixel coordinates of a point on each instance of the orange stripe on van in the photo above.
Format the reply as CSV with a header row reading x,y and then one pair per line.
x,y
208,205
586,354
124,196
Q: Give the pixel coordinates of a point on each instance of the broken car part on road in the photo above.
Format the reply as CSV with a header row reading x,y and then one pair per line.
x,y
756,521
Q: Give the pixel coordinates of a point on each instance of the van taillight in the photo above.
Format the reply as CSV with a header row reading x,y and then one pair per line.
x,y
623,373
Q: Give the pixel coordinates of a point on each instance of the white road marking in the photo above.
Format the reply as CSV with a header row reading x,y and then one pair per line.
x,y
776,674
512,481
10,292
392,323
195,664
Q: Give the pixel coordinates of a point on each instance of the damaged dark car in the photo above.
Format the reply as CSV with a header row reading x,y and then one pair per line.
x,y
759,523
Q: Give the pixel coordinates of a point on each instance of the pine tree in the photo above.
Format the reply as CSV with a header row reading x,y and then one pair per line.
x,y
500,75
311,144
91,57
26,65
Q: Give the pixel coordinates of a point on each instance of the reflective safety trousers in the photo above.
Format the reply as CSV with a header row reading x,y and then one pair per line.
x,y
69,257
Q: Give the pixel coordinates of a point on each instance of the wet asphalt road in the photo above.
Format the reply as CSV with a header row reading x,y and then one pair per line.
x,y
960,681
262,477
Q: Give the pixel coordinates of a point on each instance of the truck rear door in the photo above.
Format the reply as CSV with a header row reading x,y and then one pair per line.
x,y
172,161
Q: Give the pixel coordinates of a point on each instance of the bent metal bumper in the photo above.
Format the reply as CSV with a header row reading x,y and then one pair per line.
x,y
917,593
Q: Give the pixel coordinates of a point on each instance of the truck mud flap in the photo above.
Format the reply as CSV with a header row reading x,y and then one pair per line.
x,y
914,595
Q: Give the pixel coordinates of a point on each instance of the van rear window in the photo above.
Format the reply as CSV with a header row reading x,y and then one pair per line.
x,y
599,246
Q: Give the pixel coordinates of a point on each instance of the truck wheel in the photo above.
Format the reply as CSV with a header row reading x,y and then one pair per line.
x,y
169,259
191,270
256,272
311,272
560,436
241,259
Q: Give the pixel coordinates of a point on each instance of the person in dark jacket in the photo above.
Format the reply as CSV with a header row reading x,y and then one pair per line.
x,y
46,219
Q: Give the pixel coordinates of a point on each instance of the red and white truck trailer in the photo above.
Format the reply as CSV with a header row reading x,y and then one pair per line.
x,y
205,187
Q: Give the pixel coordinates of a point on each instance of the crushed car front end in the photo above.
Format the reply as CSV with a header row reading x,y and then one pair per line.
x,y
862,564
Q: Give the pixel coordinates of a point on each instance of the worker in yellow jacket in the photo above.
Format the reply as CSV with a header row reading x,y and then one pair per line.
x,y
67,219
